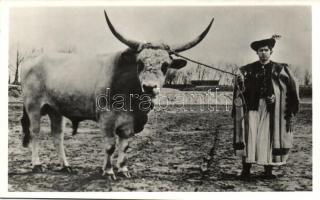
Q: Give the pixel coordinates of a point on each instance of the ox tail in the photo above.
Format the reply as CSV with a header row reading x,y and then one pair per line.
x,y
25,123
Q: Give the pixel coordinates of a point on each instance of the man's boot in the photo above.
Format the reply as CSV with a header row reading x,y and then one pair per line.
x,y
268,172
245,173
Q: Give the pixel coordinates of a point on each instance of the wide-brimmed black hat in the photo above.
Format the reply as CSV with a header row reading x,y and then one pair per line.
x,y
270,42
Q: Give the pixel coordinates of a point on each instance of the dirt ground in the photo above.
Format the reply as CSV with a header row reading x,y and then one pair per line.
x,y
167,156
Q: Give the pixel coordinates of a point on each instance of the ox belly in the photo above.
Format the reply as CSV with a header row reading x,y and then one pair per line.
x,y
74,106
73,83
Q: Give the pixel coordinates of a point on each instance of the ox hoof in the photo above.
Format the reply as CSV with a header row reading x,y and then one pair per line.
x,y
37,169
126,174
66,169
110,175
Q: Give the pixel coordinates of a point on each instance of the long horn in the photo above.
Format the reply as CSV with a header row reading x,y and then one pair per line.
x,y
130,43
193,43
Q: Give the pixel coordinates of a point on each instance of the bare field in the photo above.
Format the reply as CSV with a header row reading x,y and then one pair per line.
x,y
167,156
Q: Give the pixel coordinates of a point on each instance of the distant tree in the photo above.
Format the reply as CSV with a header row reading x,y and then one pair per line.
x,y
12,70
170,76
307,77
224,78
298,74
234,70
18,56
68,49
201,71
198,72
19,60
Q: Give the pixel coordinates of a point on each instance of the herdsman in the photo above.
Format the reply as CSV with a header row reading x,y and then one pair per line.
x,y
266,100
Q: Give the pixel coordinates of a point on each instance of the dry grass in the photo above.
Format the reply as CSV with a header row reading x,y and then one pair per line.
x,y
166,156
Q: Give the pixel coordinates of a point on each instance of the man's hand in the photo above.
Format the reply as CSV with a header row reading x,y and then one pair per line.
x,y
271,99
240,78
239,83
289,124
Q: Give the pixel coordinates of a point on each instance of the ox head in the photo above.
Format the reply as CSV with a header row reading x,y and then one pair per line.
x,y
153,60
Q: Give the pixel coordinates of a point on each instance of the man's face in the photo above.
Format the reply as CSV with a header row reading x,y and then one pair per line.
x,y
264,53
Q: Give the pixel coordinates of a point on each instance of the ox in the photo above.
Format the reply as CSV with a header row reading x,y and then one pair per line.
x,y
67,85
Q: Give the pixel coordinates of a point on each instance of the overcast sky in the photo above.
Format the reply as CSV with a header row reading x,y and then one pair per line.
x,y
229,39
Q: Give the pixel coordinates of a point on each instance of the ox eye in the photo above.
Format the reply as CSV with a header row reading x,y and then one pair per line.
x,y
164,68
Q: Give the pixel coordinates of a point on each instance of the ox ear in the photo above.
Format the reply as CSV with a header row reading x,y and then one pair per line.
x,y
178,63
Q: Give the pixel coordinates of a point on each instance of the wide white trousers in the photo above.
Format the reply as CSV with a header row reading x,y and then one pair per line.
x,y
259,146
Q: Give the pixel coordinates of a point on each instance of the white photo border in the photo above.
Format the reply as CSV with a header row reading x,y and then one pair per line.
x,y
158,195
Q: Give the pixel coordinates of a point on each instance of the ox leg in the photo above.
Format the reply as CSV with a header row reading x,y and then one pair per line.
x,y
58,139
125,131
122,157
109,147
35,117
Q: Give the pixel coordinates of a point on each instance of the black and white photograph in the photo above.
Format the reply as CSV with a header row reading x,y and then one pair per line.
x,y
164,98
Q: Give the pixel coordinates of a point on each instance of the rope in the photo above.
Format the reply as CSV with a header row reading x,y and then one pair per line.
x,y
197,62
240,91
